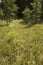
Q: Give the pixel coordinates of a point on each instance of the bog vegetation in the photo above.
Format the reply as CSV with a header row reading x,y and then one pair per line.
x,y
21,32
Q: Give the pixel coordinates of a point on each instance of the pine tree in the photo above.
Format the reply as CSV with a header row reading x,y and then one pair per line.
x,y
27,14
10,9
36,10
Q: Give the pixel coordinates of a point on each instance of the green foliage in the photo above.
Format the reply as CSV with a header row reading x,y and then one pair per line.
x,y
1,13
10,9
28,8
27,14
36,10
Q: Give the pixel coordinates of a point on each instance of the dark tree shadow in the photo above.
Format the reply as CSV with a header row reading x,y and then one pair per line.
x,y
2,25
27,24
23,23
32,23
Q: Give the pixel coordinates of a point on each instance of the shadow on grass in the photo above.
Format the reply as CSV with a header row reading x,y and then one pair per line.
x,y
30,24
26,24
3,25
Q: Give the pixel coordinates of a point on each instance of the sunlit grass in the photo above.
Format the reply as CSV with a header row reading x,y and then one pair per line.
x,y
20,44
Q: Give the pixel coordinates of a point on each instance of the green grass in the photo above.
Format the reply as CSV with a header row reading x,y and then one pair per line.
x,y
20,44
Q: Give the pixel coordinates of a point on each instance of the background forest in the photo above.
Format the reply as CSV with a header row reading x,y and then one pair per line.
x,y
26,9
21,32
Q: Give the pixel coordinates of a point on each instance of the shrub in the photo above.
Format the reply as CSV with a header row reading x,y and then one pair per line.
x,y
27,14
1,13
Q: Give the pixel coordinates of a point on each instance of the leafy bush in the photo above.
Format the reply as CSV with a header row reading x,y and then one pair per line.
x,y
1,13
27,14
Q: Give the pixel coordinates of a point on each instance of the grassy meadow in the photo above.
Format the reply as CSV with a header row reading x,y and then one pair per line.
x,y
21,44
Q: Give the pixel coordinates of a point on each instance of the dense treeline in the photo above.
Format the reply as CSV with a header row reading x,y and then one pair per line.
x,y
26,9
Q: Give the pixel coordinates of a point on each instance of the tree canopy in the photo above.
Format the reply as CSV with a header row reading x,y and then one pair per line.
x,y
14,8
